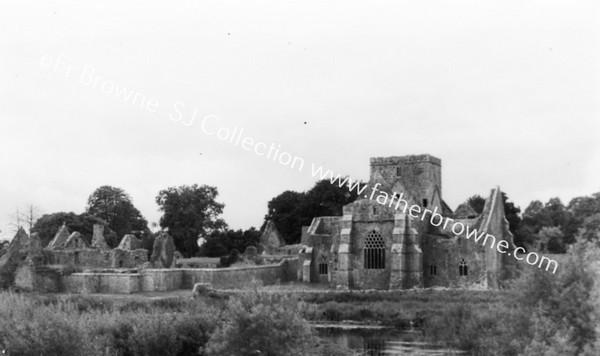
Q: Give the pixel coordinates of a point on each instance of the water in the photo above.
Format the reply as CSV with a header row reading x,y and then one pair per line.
x,y
383,342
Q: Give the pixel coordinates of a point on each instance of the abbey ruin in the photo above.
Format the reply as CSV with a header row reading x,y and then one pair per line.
x,y
374,246
370,246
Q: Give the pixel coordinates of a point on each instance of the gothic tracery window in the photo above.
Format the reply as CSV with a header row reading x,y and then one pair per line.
x,y
432,268
463,268
374,251
323,265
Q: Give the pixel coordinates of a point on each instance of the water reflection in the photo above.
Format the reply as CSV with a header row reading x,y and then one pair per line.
x,y
383,342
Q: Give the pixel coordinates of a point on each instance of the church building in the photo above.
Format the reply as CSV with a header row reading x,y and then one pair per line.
x,y
377,246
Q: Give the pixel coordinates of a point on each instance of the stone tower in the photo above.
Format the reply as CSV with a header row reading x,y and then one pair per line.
x,y
419,177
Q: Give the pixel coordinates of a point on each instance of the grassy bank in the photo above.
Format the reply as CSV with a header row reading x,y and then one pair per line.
x,y
400,309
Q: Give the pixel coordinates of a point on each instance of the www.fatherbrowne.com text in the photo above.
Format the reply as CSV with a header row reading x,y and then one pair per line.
x,y
397,202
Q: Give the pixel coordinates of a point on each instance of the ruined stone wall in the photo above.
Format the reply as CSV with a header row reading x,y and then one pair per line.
x,y
95,258
85,257
29,277
152,280
110,283
446,253
228,278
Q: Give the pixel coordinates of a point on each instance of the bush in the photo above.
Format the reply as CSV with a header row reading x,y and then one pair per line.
x,y
259,323
82,325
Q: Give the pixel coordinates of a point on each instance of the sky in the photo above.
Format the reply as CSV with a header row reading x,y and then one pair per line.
x,y
132,94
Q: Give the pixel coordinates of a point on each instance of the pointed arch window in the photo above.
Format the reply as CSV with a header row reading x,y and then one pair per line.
x,y
323,265
374,251
463,268
432,268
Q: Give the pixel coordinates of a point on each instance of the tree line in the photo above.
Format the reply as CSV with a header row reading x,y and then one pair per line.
x,y
192,214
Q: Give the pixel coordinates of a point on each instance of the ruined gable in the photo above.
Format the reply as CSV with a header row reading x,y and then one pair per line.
x,y
163,251
75,242
60,238
15,254
130,242
270,239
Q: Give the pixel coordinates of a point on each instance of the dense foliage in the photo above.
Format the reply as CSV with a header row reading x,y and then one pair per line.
x,y
291,210
114,206
221,243
190,212
48,225
552,226
261,323
251,323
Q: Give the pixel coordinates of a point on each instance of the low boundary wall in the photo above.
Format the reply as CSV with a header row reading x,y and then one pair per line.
x,y
152,280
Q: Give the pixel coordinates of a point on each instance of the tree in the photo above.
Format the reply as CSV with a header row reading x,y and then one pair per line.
x,y
512,213
285,210
569,219
581,211
590,229
291,210
221,243
3,245
326,199
190,212
115,207
47,226
551,239
565,300
261,323
477,202
31,214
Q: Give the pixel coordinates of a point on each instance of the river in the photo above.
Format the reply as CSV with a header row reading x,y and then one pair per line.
x,y
377,341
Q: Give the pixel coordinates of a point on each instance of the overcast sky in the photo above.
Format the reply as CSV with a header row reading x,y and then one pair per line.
x,y
504,92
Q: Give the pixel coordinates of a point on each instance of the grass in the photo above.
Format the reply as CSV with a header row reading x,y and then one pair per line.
x,y
30,324
77,325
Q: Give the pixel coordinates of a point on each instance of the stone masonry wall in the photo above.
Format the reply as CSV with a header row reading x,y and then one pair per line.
x,y
419,174
151,280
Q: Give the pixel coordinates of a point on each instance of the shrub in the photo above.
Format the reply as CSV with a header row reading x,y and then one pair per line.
x,y
259,323
81,325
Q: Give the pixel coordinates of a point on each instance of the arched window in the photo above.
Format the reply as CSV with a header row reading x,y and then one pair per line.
x,y
432,268
323,265
398,171
374,251
463,269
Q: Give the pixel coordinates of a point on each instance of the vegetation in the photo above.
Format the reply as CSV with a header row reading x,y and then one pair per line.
x,y
554,226
48,225
108,206
221,243
85,326
259,323
291,210
190,212
550,314
251,323
114,206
